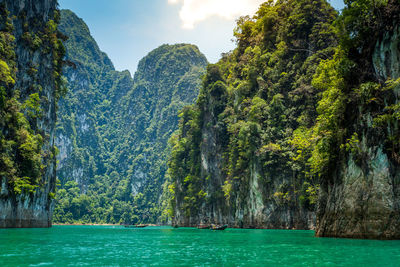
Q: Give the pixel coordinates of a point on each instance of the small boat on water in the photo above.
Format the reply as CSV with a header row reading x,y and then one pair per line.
x,y
136,226
203,226
218,227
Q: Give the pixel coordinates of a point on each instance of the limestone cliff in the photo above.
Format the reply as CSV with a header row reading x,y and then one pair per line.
x,y
362,200
30,86
237,158
249,202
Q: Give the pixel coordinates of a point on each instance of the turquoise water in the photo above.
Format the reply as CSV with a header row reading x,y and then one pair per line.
x,y
163,246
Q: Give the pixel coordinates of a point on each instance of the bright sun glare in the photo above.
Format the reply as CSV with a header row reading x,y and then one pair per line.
x,y
194,11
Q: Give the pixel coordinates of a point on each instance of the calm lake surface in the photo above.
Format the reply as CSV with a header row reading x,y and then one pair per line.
x,y
164,246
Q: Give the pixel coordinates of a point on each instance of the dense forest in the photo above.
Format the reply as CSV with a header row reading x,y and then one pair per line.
x,y
113,131
298,125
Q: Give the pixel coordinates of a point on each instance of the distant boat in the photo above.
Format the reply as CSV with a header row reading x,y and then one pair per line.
x,y
219,227
136,226
203,226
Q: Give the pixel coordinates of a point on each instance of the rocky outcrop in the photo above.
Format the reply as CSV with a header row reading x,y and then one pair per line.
x,y
362,200
37,61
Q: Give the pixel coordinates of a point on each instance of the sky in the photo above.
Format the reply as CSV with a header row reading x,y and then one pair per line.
x,y
127,30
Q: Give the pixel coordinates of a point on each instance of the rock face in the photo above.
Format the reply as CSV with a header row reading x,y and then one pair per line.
x,y
363,198
386,57
251,202
26,198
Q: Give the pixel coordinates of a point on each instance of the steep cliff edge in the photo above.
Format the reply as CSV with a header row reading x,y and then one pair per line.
x,y
30,60
363,198
360,194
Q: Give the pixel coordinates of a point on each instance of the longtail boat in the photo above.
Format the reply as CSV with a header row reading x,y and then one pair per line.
x,y
219,227
136,226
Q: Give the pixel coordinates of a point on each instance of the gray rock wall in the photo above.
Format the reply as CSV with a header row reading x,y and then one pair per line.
x,y
363,198
33,209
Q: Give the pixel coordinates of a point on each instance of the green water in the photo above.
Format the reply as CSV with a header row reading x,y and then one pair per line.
x,y
163,246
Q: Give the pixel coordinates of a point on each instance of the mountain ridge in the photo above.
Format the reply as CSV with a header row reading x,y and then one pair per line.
x,y
108,125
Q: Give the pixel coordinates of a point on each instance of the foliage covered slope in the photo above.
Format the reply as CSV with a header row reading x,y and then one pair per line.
x,y
113,129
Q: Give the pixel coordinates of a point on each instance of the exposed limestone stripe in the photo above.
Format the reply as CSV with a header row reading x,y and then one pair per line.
x,y
386,57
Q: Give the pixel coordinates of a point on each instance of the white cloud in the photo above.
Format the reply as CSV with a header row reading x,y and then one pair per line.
x,y
194,11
